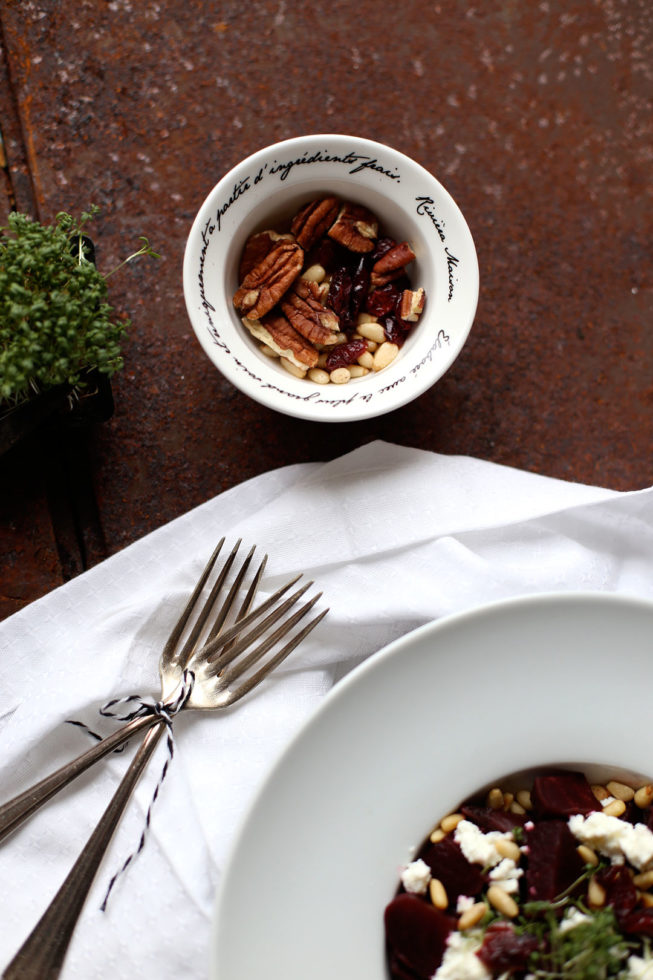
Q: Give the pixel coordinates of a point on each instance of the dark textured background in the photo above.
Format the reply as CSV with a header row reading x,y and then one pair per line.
x,y
535,116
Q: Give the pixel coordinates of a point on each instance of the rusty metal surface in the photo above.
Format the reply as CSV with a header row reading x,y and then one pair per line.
x,y
537,119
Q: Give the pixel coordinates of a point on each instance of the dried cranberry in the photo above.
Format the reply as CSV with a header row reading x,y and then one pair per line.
x,y
360,285
561,794
504,950
325,253
345,354
416,935
396,329
383,300
382,246
339,293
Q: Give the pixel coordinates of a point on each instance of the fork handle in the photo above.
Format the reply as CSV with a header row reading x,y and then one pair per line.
x,y
18,809
42,954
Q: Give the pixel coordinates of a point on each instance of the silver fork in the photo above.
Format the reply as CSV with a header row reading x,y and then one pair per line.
x,y
175,658
223,673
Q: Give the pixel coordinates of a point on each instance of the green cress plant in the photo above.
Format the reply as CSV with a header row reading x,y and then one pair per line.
x,y
55,321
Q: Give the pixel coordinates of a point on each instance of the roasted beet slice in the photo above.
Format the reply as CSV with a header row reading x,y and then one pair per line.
x,y
563,793
553,861
620,891
639,922
448,863
488,819
504,950
416,935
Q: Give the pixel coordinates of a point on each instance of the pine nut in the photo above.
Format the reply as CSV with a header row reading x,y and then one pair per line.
x,y
644,796
319,376
495,799
264,349
595,894
646,899
340,376
502,901
365,318
523,797
587,854
620,790
366,360
517,808
292,368
472,916
385,355
322,358
615,808
508,849
644,880
314,273
358,371
450,822
600,792
372,331
438,894
508,799
437,835
341,338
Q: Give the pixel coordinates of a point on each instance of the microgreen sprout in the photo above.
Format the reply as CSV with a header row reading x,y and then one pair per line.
x,y
55,321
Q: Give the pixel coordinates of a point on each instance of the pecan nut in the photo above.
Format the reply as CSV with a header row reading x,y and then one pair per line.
x,y
265,284
355,227
411,304
391,264
309,317
275,331
256,248
314,220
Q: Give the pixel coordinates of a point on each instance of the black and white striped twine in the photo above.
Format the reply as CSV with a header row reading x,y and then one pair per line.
x,y
164,710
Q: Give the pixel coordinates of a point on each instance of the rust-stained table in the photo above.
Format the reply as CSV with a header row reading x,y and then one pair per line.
x,y
535,116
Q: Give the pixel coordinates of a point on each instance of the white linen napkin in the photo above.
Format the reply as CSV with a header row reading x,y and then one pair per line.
x,y
394,537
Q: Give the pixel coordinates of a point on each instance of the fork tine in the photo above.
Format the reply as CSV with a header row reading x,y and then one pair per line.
x,y
250,682
183,655
173,639
244,664
249,598
218,642
244,640
233,591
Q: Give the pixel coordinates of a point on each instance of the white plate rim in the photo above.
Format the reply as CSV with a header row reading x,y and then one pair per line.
x,y
376,662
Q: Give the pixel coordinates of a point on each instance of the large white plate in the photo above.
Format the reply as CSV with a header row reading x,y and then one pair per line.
x,y
556,679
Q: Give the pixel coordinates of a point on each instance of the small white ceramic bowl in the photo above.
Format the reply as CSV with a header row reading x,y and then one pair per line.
x,y
269,187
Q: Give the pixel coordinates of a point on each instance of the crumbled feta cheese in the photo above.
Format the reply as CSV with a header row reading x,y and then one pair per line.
x,y
460,961
573,917
506,874
416,876
639,969
464,902
615,838
479,847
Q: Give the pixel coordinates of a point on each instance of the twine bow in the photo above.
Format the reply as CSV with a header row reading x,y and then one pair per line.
x,y
166,711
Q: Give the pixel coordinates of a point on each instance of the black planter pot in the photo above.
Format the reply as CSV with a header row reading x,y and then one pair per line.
x,y
70,407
